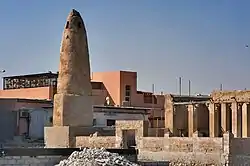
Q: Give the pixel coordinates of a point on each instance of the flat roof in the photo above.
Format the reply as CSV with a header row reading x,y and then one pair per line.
x,y
50,74
127,108
114,109
46,75
187,98
29,100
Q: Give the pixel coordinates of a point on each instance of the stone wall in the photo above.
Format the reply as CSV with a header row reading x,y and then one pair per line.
x,y
225,150
156,132
96,141
240,151
231,96
28,160
184,149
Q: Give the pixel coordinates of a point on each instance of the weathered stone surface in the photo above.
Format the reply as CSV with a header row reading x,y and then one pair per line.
x,y
58,137
96,142
72,110
74,68
73,102
231,96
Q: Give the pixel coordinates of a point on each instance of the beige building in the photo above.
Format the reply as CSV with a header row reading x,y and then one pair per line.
x,y
208,115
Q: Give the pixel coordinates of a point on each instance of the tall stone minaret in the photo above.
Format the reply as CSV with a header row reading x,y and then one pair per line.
x,y
73,103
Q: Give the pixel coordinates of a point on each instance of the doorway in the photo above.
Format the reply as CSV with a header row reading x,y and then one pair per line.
x,y
128,139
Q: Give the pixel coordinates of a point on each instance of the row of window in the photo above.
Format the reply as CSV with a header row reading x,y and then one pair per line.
x,y
127,93
109,122
147,98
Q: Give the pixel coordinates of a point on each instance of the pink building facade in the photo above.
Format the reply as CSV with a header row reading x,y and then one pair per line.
x,y
120,87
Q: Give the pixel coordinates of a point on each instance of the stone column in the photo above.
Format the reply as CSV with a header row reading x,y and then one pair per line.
x,y
169,116
211,109
234,108
192,119
224,117
245,120
213,120
239,119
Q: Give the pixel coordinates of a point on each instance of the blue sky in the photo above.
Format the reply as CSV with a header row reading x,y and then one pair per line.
x,y
203,41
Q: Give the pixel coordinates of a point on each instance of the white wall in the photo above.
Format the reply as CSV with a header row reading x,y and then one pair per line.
x,y
101,117
38,119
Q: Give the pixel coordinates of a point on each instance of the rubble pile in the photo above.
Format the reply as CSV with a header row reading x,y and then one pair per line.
x,y
95,157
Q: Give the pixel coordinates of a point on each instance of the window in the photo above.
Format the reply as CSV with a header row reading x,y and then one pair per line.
x,y
110,122
127,98
127,87
51,119
94,122
127,92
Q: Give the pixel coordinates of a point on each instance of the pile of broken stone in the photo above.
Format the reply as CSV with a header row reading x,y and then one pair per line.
x,y
95,157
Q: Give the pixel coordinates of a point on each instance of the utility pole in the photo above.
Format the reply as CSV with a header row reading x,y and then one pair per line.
x,y
189,88
180,85
153,102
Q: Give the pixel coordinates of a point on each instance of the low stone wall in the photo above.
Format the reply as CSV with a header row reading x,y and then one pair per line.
x,y
28,160
156,132
96,141
182,149
48,156
240,151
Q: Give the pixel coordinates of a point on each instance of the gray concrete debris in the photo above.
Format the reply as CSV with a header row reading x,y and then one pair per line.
x,y
95,157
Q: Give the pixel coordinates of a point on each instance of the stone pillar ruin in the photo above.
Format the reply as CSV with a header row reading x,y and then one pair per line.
x,y
225,117
239,119
245,120
72,102
192,119
234,119
213,120
169,114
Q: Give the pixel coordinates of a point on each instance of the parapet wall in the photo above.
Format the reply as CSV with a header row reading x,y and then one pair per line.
x,y
96,141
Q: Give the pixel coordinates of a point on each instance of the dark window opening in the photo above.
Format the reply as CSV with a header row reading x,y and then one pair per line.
x,y
51,119
110,122
127,93
127,98
94,122
79,25
67,25
127,87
